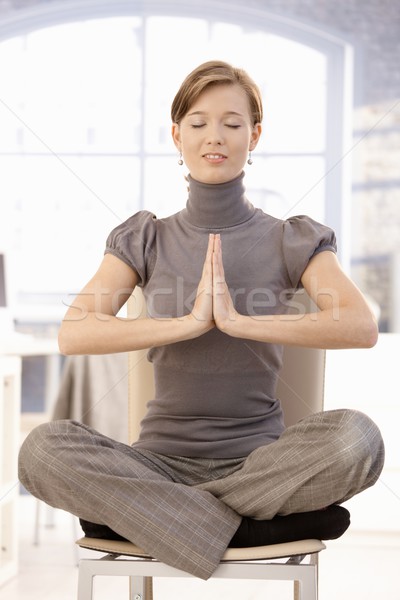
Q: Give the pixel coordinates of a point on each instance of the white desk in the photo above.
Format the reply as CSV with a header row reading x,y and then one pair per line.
x,y
28,345
12,349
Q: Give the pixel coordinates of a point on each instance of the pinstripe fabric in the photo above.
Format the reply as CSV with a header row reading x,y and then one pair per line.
x,y
324,459
184,511
71,466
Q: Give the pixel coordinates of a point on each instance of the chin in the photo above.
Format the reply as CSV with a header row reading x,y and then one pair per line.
x,y
215,177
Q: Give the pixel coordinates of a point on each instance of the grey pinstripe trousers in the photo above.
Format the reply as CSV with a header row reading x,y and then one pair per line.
x,y
184,511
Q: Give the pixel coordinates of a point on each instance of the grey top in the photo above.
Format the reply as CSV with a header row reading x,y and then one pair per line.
x,y
215,395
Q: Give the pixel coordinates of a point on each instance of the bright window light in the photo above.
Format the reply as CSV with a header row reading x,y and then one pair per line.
x,y
85,134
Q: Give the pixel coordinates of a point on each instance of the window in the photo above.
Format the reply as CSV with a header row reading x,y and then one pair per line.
x,y
85,134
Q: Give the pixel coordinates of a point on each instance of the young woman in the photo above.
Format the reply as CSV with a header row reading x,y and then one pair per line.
x,y
214,465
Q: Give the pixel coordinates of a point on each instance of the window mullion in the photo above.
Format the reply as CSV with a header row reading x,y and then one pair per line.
x,y
142,132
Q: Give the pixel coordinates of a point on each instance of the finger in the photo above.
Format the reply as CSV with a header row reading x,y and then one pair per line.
x,y
211,242
208,259
210,248
218,274
217,243
218,265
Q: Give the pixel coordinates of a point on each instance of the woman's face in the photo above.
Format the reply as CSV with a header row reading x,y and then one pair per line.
x,y
216,134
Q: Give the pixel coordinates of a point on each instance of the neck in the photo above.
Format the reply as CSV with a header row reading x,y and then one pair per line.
x,y
217,206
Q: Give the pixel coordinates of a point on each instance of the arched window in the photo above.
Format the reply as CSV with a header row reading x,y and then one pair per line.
x,y
85,126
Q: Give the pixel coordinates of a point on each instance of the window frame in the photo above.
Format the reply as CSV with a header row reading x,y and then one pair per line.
x,y
340,68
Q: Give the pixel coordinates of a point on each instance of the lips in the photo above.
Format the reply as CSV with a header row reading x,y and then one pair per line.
x,y
212,156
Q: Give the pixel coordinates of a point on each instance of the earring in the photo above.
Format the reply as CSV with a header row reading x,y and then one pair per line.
x,y
180,161
249,160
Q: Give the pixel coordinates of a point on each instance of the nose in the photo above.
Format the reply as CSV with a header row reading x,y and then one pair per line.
x,y
215,135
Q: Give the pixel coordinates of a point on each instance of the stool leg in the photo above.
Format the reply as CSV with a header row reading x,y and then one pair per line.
x,y
85,582
140,588
296,590
307,586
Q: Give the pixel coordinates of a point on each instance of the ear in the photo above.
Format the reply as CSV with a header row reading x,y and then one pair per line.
x,y
255,136
176,135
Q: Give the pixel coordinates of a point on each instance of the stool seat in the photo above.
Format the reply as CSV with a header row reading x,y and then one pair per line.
x,y
272,551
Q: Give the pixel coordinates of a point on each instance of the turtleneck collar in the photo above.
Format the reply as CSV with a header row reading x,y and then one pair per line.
x,y
217,206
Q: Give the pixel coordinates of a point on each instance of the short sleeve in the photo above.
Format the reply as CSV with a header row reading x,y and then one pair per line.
x,y
134,242
302,239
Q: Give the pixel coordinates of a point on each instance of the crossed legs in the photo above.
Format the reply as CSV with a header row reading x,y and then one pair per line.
x,y
324,459
174,509
72,467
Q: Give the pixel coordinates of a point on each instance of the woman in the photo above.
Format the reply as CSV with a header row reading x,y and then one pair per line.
x,y
214,465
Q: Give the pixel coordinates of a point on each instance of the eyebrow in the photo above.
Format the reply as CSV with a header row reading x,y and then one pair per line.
x,y
227,113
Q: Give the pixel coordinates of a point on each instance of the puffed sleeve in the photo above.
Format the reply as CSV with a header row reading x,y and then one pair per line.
x,y
303,238
134,242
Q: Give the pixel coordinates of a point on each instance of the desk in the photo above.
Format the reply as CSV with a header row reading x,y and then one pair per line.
x,y
12,349
22,345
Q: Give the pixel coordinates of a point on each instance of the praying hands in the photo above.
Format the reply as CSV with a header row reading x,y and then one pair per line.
x,y
213,302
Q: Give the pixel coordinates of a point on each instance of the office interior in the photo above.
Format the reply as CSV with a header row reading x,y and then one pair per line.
x,y
85,91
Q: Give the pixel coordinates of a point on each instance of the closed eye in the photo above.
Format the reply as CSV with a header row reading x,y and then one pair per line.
x,y
233,126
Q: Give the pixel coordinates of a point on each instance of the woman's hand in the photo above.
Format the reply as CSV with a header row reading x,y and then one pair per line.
x,y
224,311
202,311
213,305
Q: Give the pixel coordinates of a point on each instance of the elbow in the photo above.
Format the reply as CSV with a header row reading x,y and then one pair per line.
x,y
358,332
64,343
373,335
368,333
63,346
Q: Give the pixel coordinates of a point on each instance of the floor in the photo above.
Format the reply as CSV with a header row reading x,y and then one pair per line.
x,y
359,566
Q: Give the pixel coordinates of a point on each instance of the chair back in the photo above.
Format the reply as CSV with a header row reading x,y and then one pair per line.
x,y
300,385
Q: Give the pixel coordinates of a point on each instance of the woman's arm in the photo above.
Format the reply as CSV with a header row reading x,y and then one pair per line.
x,y
344,319
91,327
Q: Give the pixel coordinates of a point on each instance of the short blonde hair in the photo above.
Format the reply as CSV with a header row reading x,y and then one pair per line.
x,y
211,73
